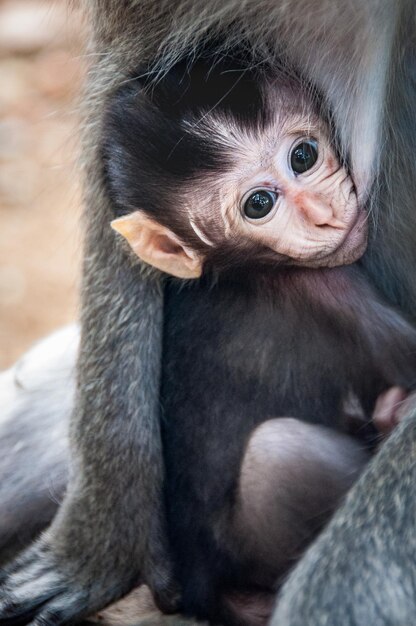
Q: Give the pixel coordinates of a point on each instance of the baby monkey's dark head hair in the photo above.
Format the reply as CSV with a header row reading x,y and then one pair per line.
x,y
207,164
154,147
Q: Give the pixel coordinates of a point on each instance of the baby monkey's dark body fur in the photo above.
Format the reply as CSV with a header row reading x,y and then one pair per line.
x,y
259,341
261,344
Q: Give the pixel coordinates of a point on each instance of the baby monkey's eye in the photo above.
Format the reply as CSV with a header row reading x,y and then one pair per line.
x,y
259,204
303,156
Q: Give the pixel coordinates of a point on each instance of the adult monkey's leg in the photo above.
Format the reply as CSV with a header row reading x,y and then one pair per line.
x,y
362,569
109,533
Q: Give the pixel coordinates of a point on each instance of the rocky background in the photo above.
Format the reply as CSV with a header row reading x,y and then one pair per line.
x,y
42,64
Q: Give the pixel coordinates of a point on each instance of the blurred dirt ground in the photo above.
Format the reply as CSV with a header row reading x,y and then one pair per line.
x,y
41,71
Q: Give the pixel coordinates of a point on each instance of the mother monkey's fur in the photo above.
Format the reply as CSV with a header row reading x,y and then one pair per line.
x,y
109,533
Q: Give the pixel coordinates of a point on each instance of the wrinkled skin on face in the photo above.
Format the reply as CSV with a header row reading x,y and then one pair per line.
x,y
285,190
288,191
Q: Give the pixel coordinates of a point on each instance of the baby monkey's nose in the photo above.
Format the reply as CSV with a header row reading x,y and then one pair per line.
x,y
316,209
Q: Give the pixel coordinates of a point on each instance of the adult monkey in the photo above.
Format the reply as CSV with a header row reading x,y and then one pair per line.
x,y
109,533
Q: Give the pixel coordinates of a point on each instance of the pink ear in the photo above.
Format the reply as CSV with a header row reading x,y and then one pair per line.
x,y
157,245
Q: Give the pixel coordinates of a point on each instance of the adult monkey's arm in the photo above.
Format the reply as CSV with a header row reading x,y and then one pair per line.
x,y
109,533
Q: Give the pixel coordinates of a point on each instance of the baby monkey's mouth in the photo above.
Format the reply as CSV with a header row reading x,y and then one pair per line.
x,y
348,250
354,244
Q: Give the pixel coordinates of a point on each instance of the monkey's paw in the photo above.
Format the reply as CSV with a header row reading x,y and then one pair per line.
x,y
36,589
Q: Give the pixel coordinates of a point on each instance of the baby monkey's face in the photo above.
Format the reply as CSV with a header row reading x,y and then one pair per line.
x,y
288,192
277,192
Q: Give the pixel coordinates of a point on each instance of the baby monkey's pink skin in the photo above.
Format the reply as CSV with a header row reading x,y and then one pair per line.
x,y
316,220
388,411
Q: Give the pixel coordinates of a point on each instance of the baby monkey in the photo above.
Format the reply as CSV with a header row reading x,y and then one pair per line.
x,y
232,177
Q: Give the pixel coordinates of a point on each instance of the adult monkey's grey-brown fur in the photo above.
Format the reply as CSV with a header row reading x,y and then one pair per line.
x,y
109,533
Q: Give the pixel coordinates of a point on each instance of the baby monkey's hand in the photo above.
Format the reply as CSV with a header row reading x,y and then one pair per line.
x,y
391,407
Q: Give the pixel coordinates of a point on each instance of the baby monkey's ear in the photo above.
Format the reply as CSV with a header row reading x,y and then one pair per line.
x,y
157,245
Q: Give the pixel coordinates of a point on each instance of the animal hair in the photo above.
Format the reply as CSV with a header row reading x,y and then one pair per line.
x,y
167,145
263,341
360,56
